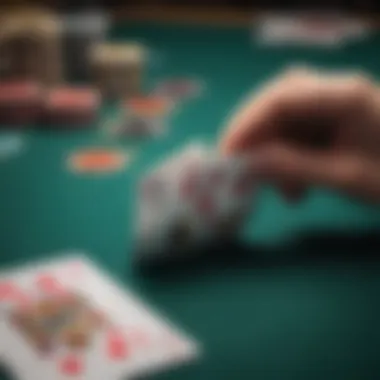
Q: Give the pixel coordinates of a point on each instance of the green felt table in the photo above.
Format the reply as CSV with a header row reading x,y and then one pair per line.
x,y
290,308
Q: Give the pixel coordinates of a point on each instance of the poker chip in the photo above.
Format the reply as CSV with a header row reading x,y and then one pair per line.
x,y
118,54
20,102
72,97
72,105
151,106
97,161
10,145
19,92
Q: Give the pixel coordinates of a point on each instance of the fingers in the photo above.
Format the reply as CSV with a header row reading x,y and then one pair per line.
x,y
302,95
285,165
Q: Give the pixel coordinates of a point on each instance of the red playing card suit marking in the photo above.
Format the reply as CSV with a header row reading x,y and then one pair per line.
x,y
206,205
188,186
71,365
7,289
49,284
117,347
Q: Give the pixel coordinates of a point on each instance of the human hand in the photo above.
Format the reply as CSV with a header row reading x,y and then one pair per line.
x,y
311,128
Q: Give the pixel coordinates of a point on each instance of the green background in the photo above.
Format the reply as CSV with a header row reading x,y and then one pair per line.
x,y
290,307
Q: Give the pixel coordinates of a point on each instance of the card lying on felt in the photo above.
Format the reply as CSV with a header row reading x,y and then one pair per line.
x,y
192,198
66,319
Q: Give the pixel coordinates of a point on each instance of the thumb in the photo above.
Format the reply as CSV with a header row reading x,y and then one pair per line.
x,y
286,164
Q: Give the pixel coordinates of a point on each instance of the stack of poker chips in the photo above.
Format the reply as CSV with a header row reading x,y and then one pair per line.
x,y
71,106
118,69
20,102
26,103
30,44
82,30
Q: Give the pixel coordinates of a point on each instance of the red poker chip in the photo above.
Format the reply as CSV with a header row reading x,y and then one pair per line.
x,y
72,98
20,92
149,106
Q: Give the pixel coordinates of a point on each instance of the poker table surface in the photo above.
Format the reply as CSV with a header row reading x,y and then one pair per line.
x,y
297,298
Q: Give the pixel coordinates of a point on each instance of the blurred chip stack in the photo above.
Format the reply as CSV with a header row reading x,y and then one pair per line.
x,y
72,107
81,31
118,69
20,102
30,46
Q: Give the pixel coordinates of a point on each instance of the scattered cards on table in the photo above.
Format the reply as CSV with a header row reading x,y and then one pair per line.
x,y
192,198
65,319
143,116
314,29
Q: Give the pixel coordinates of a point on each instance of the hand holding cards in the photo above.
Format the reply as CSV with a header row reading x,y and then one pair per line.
x,y
193,198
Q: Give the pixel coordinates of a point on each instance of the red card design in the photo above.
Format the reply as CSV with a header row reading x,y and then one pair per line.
x,y
117,347
7,289
49,284
71,365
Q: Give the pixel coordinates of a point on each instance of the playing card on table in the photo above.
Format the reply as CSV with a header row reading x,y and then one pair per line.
x,y
66,319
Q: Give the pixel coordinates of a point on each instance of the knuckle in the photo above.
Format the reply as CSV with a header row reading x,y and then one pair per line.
x,y
297,72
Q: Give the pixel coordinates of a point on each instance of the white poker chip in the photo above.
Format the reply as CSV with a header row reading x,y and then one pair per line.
x,y
10,145
118,53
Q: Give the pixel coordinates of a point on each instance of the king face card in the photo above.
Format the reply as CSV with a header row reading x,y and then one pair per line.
x,y
66,319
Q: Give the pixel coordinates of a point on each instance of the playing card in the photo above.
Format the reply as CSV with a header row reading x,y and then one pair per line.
x,y
133,126
147,114
202,196
221,193
66,319
163,221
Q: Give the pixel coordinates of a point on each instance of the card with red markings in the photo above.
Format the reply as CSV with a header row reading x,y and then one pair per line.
x,y
202,196
65,319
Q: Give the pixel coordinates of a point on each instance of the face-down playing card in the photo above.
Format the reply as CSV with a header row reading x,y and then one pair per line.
x,y
65,319
193,198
